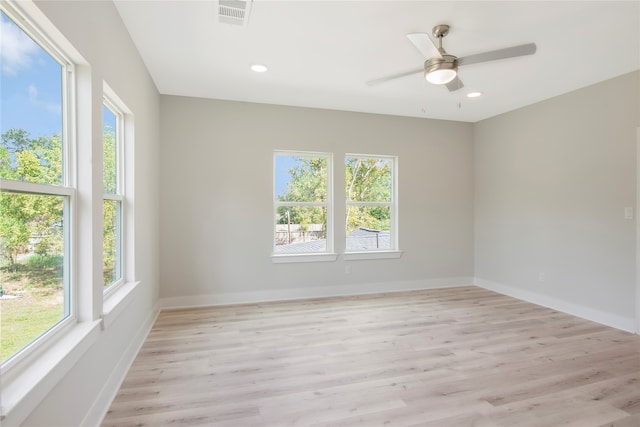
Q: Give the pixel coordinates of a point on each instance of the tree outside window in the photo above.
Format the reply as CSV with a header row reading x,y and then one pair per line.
x,y
302,202
370,204
113,196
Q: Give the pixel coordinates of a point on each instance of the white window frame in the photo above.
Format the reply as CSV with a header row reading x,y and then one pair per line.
x,y
66,189
119,196
328,254
393,251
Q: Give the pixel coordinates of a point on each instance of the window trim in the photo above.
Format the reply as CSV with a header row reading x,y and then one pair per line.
x,y
393,251
327,255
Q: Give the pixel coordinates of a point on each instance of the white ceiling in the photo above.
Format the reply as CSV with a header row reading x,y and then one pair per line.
x,y
321,53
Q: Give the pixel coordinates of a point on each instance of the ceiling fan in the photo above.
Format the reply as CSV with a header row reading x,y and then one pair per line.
x,y
441,68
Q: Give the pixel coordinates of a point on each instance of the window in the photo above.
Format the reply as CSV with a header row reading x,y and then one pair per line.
x,y
113,194
302,203
37,192
370,203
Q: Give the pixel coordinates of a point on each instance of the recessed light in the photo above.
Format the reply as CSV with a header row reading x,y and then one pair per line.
x,y
474,94
259,68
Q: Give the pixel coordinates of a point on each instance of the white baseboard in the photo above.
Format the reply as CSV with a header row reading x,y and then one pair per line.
x,y
627,324
101,404
314,292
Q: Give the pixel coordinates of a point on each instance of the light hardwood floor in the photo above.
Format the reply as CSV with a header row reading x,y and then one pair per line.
x,y
446,357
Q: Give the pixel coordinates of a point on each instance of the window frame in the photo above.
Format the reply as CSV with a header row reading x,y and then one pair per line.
x,y
120,194
393,251
326,255
66,189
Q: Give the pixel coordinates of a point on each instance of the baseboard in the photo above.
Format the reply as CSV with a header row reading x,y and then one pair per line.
x,y
101,404
313,292
627,324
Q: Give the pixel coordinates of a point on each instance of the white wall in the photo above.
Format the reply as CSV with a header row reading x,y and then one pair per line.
x,y
95,29
216,204
551,184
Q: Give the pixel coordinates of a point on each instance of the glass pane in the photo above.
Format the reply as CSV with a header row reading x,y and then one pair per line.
x,y
31,113
110,159
368,228
301,179
32,285
368,179
111,242
301,229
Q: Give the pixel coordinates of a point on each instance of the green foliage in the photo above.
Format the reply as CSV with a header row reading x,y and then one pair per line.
x,y
39,217
43,262
109,241
109,176
308,183
308,180
109,207
23,216
368,180
28,159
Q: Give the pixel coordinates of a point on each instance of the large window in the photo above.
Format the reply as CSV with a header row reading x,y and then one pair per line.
x,y
370,203
113,194
302,203
36,189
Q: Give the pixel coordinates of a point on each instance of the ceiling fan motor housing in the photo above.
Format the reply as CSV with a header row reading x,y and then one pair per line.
x,y
447,62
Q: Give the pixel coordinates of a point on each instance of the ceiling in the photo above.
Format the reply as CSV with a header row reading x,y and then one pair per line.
x,y
320,53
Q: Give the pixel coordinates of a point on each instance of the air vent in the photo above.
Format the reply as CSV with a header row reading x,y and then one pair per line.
x,y
234,12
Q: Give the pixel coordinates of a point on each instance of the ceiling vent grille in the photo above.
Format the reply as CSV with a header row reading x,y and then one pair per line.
x,y
234,12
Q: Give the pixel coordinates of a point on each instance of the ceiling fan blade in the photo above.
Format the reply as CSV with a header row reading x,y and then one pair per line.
x,y
508,52
394,76
425,45
455,84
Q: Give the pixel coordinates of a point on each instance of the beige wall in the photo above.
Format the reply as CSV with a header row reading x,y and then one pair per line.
x,y
216,205
551,184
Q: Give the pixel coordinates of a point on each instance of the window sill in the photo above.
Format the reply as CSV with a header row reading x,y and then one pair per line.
x,y
116,302
284,259
356,256
28,386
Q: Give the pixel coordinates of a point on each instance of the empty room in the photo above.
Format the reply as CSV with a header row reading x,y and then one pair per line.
x,y
319,213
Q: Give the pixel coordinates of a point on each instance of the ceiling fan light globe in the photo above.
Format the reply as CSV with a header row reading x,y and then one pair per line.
x,y
440,71
441,76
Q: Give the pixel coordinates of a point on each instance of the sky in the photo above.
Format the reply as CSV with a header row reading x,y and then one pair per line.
x,y
30,84
282,165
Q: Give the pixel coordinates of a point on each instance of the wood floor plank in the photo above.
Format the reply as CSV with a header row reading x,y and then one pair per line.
x,y
445,357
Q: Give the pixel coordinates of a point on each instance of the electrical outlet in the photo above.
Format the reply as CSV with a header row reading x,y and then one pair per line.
x,y
542,276
347,268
